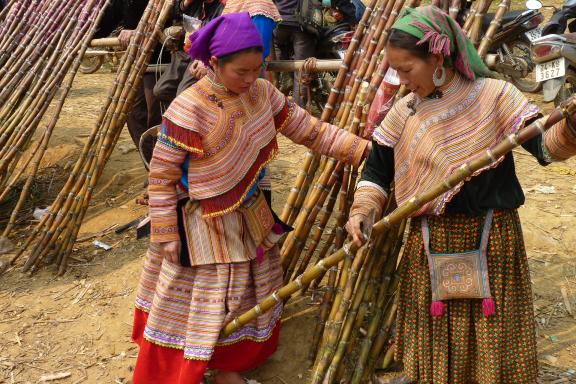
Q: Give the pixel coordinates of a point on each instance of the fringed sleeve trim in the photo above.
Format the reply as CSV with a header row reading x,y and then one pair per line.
x,y
181,137
231,200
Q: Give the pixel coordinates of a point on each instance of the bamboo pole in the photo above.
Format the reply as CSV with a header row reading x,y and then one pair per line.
x,y
405,210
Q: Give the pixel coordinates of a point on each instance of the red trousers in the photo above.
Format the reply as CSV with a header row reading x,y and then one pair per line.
x,y
157,364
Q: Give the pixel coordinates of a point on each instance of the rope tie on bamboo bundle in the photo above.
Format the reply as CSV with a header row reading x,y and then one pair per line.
x,y
308,66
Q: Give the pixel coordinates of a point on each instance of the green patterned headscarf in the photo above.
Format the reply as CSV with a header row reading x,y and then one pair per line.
x,y
430,24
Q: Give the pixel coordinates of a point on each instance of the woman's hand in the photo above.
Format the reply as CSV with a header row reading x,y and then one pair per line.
x,y
171,251
354,226
197,69
125,36
184,4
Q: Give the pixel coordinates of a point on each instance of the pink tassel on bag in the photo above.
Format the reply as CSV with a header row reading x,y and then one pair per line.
x,y
489,307
437,308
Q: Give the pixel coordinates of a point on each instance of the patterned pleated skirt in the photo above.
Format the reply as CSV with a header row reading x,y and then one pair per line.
x,y
464,346
180,312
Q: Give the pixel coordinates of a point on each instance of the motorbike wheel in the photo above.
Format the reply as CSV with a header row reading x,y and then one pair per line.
x,y
529,84
565,92
91,64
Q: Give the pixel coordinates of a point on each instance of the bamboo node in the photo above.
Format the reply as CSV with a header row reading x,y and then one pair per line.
x,y
346,249
513,139
416,201
490,155
540,126
298,282
276,297
258,310
322,266
236,323
466,168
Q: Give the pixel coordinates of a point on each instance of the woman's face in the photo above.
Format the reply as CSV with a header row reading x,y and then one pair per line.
x,y
240,73
414,72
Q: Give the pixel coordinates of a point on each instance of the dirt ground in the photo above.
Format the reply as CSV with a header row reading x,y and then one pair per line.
x,y
78,326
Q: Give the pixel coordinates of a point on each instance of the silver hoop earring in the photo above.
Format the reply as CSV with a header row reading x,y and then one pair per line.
x,y
439,78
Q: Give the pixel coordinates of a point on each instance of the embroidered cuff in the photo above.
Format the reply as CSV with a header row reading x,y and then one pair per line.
x,y
560,141
164,234
357,151
366,197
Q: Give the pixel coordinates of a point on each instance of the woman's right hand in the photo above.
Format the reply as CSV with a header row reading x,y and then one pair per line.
x,y
197,69
171,251
354,226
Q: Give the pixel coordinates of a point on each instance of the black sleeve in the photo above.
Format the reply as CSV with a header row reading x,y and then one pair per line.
x,y
379,168
535,145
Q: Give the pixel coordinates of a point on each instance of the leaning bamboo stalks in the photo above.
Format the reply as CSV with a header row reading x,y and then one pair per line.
x,y
475,30
342,334
110,134
405,210
59,229
495,24
295,241
31,78
330,105
43,143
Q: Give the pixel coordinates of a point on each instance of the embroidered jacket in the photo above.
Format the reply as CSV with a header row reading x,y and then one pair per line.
x,y
229,139
254,8
418,150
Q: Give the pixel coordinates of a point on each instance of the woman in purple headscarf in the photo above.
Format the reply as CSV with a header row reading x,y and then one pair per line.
x,y
213,252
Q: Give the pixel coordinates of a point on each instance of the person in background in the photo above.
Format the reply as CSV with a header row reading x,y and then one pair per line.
x,y
292,41
205,11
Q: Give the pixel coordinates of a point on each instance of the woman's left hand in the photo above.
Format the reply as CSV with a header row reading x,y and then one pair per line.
x,y
197,69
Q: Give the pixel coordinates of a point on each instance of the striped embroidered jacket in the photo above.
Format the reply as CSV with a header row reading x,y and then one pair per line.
x,y
254,8
229,139
445,133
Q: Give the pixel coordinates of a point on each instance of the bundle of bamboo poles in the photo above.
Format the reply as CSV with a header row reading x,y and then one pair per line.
x,y
41,44
53,238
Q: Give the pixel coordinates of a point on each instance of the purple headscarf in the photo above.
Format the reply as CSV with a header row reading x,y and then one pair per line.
x,y
223,36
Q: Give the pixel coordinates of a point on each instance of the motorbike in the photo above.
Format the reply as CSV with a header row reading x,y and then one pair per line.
x,y
555,55
333,44
510,53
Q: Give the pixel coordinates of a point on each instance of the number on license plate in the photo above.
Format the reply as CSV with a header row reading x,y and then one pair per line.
x,y
534,34
550,70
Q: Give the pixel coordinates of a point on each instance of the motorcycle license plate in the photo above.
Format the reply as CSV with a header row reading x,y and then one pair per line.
x,y
550,70
534,34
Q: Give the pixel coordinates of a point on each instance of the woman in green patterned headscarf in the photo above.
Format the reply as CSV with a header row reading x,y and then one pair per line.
x,y
484,331
427,33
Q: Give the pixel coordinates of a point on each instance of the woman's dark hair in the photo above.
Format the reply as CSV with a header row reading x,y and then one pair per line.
x,y
228,58
404,40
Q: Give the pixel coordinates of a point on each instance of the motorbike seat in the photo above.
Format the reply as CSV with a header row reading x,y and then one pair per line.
x,y
508,17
